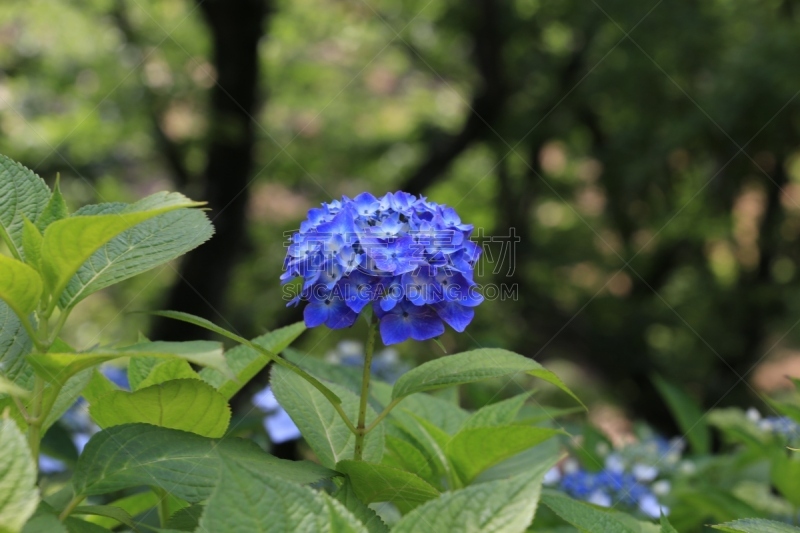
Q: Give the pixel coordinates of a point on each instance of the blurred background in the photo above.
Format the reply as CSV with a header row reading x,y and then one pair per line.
x,y
646,155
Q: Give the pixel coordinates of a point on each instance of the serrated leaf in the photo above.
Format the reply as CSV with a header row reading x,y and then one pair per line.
x,y
14,345
139,368
22,194
184,464
497,414
186,519
584,516
18,493
347,497
56,367
506,506
468,367
251,500
184,404
756,525
406,456
70,242
473,450
689,416
32,244
55,209
380,483
168,370
245,362
20,286
320,424
139,249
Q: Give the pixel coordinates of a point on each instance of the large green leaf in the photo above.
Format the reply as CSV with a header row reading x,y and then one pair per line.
x,y
167,371
246,362
20,286
666,527
57,367
756,525
185,404
184,464
473,450
18,493
497,414
347,497
402,454
689,416
141,248
587,517
321,425
65,395
506,506
70,242
14,345
249,500
23,194
381,483
468,367
429,439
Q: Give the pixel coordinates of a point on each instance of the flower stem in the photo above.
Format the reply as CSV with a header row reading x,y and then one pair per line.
x,y
362,408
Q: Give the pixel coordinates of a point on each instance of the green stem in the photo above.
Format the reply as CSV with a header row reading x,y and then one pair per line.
x,y
163,506
73,503
35,420
383,414
361,430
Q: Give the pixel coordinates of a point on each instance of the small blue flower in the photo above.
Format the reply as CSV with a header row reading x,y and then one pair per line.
x,y
412,256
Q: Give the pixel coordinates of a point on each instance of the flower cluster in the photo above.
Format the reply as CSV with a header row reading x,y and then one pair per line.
x,y
410,257
629,477
777,425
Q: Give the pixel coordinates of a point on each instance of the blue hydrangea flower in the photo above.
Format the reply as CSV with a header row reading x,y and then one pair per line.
x,y
411,257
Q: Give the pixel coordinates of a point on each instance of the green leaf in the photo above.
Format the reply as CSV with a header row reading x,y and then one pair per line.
x,y
18,493
246,362
430,439
441,413
169,370
471,451
22,194
792,410
56,367
320,424
347,497
70,242
404,455
76,525
56,209
43,522
689,416
252,500
586,517
785,475
756,525
15,344
380,483
20,286
506,506
185,404
12,389
32,244
98,386
735,426
139,368
666,527
497,414
133,505
184,464
186,519
108,511
66,395
139,249
468,367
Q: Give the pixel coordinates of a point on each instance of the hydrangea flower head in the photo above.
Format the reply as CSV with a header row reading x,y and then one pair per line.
x,y
410,258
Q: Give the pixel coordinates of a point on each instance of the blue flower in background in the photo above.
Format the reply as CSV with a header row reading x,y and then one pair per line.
x,y
777,425
277,421
411,256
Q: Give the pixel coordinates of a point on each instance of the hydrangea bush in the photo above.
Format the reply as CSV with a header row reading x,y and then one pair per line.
x,y
89,449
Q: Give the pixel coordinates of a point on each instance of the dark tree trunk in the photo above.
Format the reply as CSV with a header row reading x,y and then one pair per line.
x,y
236,28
